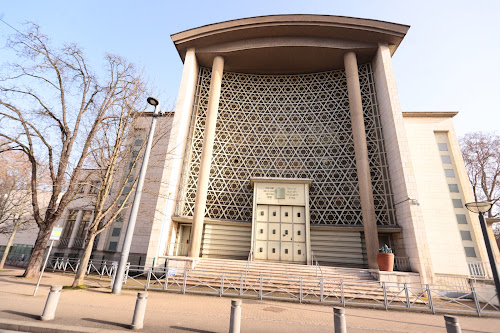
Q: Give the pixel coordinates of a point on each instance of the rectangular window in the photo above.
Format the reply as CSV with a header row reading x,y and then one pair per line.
x,y
449,173
95,187
446,159
465,235
82,228
112,246
461,219
70,222
116,232
457,203
470,252
443,146
453,188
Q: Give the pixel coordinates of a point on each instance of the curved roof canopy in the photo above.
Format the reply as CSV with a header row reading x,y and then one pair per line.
x,y
288,44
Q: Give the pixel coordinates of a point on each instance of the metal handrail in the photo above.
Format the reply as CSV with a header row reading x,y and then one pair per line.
x,y
315,259
250,258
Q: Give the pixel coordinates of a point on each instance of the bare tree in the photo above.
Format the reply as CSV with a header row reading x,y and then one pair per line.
x,y
14,197
481,153
116,153
52,107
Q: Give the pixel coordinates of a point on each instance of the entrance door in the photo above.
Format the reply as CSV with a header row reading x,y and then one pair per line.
x,y
280,233
184,238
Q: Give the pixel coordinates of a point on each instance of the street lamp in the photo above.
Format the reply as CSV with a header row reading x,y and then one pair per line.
x,y
120,272
480,208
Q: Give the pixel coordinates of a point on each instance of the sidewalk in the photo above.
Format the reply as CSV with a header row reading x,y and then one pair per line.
x,y
97,310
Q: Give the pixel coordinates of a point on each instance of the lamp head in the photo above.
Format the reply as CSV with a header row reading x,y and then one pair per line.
x,y
479,207
153,101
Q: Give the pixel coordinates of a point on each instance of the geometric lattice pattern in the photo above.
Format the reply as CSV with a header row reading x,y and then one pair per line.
x,y
287,126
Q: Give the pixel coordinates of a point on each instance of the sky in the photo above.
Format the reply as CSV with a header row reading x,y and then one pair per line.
x,y
448,61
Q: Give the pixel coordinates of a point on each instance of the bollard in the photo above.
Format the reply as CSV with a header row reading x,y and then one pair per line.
x,y
235,321
49,311
452,324
140,309
339,325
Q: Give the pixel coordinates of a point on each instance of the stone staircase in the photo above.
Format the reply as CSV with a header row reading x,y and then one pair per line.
x,y
283,279
255,269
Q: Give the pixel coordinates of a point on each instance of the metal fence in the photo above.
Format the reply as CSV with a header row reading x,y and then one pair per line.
x,y
447,296
432,298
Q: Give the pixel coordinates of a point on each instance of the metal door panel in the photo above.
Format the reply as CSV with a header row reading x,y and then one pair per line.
x,y
299,253
286,251
274,232
299,215
262,213
286,214
274,214
260,250
286,233
261,231
299,232
273,251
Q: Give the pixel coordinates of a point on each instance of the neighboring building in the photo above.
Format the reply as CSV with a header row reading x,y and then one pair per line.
x,y
288,140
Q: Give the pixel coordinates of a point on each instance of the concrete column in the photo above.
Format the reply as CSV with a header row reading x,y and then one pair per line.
x,y
75,228
362,163
206,157
179,132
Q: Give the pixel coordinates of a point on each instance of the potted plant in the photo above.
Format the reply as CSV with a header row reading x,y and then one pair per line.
x,y
385,259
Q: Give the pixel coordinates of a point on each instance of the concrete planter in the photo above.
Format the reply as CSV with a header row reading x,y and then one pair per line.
x,y
385,261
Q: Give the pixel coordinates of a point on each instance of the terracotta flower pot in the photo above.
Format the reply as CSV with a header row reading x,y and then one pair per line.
x,y
385,261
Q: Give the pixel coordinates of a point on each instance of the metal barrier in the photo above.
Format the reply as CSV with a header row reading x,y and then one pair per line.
x,y
432,298
454,296
100,267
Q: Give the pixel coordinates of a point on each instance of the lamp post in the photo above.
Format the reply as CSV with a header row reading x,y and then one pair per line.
x,y
120,273
480,208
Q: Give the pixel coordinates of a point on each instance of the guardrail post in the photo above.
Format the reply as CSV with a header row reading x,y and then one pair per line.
x,y
184,282
89,265
385,295
235,321
321,290
452,324
77,265
339,324
342,298
241,284
49,311
407,296
476,301
300,290
221,291
139,311
148,279
429,295
260,287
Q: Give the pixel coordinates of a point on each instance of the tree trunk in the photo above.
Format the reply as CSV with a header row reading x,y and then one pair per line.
x,y
84,261
36,259
9,243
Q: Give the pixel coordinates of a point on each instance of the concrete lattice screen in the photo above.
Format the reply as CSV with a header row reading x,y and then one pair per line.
x,y
288,126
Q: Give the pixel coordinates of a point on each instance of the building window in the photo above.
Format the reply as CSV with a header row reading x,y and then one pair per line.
x,y
112,246
82,189
84,223
465,235
116,232
443,146
70,222
453,188
457,203
461,219
449,173
446,159
95,186
470,252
